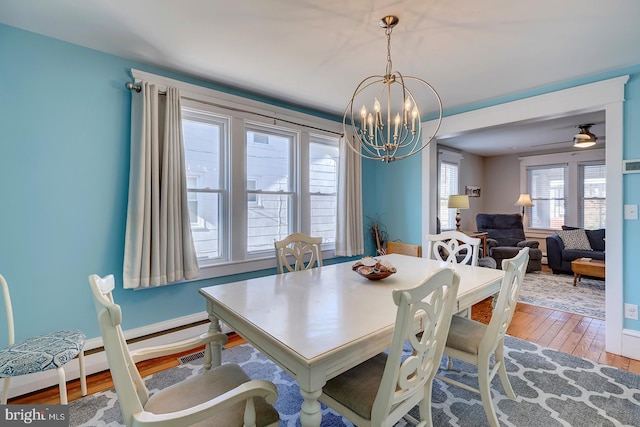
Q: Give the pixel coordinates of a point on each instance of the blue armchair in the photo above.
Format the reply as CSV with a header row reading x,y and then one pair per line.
x,y
505,238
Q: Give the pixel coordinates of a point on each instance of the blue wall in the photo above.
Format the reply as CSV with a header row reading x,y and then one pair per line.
x,y
64,166
64,171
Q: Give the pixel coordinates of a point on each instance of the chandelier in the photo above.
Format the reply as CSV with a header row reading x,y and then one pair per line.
x,y
388,126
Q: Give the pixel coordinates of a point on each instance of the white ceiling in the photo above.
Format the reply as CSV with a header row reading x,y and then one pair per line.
x,y
313,53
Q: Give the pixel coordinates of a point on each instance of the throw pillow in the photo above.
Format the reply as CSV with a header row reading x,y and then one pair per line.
x,y
575,239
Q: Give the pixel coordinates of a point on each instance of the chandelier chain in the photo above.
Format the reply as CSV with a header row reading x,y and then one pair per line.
x,y
389,63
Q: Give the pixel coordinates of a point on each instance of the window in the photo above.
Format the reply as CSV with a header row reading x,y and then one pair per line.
x,y
548,193
253,197
204,138
323,187
593,196
281,181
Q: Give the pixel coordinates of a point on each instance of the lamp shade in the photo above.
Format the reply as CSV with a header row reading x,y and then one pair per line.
x,y
459,201
584,138
524,200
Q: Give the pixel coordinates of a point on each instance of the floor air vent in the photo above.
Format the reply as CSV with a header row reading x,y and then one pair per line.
x,y
191,357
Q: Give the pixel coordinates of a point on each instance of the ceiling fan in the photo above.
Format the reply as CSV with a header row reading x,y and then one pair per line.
x,y
583,139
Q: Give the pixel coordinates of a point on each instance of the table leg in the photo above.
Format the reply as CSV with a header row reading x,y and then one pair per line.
x,y
310,414
213,350
576,277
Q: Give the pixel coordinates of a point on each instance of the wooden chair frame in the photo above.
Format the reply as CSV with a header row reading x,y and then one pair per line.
x,y
404,249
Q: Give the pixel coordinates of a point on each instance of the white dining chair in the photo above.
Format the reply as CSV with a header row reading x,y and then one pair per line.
x,y
382,390
298,251
223,396
454,247
41,353
475,343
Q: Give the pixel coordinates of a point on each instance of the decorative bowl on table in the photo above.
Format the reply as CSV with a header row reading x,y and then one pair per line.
x,y
373,269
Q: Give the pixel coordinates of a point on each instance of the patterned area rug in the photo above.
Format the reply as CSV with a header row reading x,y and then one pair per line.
x,y
553,389
557,291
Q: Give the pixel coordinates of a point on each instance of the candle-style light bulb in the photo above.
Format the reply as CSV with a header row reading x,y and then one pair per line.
x,y
376,108
407,108
414,116
370,120
397,123
363,114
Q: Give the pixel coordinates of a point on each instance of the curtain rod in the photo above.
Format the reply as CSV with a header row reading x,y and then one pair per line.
x,y
138,88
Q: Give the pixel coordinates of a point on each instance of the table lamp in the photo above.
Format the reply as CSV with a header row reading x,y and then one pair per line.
x,y
525,201
457,202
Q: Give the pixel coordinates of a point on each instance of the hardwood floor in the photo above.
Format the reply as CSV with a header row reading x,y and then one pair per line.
x,y
566,332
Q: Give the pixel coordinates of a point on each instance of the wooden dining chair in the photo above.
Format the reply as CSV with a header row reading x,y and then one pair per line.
x,y
382,390
404,249
298,251
222,396
474,342
454,247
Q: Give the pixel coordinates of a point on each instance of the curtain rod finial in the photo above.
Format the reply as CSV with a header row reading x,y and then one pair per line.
x,y
132,86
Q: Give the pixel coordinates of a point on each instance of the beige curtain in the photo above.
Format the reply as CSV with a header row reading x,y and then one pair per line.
x,y
158,247
349,230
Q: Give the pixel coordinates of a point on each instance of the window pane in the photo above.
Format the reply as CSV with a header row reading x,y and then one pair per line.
x,y
548,193
203,134
267,222
203,210
323,218
269,162
323,186
594,196
448,186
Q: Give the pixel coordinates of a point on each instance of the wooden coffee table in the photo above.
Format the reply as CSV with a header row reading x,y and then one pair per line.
x,y
587,267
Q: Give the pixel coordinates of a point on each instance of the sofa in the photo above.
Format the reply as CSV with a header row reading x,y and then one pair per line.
x,y
572,243
505,238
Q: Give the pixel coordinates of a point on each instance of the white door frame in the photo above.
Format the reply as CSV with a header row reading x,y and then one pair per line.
x,y
606,95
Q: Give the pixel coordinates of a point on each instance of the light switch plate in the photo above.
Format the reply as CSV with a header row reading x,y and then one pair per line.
x,y
631,311
630,211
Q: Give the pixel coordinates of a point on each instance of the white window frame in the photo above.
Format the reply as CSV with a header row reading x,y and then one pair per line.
x,y
228,105
573,160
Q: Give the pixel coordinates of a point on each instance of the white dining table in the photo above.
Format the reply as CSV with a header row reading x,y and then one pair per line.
x,y
318,323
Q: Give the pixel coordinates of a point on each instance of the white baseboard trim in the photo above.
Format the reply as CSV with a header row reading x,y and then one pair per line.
x,y
630,343
97,362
